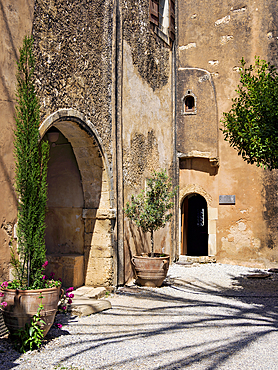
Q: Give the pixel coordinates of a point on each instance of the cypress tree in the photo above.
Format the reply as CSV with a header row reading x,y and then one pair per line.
x,y
31,174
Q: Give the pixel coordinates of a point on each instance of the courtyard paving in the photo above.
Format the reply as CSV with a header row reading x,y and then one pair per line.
x,y
206,316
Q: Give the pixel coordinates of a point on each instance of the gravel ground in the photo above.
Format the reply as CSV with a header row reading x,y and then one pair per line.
x,y
205,317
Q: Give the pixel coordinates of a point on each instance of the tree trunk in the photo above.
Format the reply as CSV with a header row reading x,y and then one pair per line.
x,y
152,253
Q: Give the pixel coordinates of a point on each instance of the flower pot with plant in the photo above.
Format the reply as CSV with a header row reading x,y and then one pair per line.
x,y
150,211
30,289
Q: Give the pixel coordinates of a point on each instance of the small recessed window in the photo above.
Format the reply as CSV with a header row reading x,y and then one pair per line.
x,y
189,103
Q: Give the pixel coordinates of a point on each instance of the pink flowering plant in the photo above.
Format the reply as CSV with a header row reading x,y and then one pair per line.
x,y
65,300
63,305
41,282
3,304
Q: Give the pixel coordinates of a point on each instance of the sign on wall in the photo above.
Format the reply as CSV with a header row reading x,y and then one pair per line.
x,y
227,199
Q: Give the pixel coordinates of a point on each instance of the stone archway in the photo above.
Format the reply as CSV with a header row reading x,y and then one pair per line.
x,y
98,213
212,214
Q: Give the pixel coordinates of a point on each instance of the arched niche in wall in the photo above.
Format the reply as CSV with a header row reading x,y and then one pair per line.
x,y
65,226
90,263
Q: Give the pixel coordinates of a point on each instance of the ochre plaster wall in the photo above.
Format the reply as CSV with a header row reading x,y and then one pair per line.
x,y
15,22
214,36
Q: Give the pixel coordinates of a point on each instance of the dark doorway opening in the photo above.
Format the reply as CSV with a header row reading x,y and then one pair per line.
x,y
194,226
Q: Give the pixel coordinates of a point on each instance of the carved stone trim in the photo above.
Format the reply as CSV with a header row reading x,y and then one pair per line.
x,y
214,161
194,188
95,213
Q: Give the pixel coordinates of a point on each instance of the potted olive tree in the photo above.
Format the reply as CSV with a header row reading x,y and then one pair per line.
x,y
150,211
30,290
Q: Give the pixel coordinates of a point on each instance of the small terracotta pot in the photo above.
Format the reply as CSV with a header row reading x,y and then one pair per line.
x,y
151,271
22,305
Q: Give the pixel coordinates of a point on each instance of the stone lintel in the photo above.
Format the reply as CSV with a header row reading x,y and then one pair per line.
x,y
214,161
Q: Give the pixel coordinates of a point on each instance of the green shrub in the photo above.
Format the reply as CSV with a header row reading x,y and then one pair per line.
x,y
150,209
251,126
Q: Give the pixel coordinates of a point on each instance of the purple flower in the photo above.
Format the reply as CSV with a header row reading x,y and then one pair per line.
x,y
43,277
52,275
70,289
59,325
4,284
64,307
71,295
4,304
45,264
60,279
1,294
69,301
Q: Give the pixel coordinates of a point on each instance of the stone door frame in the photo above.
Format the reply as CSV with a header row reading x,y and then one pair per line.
x,y
212,215
100,254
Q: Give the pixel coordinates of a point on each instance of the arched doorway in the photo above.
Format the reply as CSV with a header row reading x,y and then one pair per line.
x,y
87,182
194,226
64,235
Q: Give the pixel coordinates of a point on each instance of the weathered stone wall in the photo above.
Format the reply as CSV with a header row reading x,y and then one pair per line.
x,y
214,36
147,117
150,55
73,48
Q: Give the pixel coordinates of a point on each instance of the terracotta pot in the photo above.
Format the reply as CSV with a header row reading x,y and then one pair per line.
x,y
23,305
151,271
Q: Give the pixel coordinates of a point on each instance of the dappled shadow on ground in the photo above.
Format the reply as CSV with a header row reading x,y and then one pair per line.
x,y
56,331
6,346
234,318
189,323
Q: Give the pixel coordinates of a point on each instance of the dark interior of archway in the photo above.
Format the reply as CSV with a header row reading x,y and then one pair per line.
x,y
196,228
65,229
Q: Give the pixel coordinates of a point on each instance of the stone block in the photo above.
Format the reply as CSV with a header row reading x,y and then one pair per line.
x,y
211,226
89,292
103,226
99,272
212,213
104,199
105,186
98,251
70,268
88,239
212,245
89,225
103,239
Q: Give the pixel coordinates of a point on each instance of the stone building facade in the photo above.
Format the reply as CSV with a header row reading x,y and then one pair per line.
x,y
128,87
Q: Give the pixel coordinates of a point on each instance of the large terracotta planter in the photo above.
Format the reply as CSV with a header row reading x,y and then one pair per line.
x,y
22,305
151,271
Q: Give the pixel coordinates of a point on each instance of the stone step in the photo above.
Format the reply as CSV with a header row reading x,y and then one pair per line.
x,y
87,300
90,292
87,306
196,259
